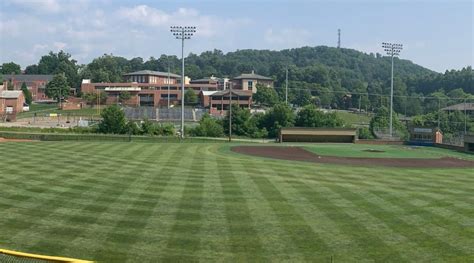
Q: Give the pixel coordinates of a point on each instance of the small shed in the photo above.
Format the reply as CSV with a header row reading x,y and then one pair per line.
x,y
303,134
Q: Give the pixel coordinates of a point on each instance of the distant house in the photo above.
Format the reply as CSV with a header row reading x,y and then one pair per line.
x,y
36,84
220,101
11,103
468,107
250,81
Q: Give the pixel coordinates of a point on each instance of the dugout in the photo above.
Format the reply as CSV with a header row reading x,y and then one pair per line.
x,y
469,143
300,134
425,136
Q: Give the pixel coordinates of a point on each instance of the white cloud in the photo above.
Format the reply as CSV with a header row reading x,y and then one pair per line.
x,y
59,45
47,6
144,14
287,37
208,26
87,29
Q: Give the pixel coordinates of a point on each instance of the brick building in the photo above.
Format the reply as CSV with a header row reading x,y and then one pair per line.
x,y
219,101
250,81
36,84
11,103
147,88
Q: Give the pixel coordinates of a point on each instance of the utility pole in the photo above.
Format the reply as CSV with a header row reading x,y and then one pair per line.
x,y
168,83
339,38
392,50
230,112
182,33
286,87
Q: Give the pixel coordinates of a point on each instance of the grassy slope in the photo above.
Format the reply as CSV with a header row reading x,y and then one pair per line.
x,y
117,202
390,151
354,118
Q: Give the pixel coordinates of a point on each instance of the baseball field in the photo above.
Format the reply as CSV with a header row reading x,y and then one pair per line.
x,y
145,202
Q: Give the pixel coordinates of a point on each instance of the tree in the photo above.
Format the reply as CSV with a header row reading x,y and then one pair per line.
x,y
208,127
10,85
242,122
265,96
94,97
57,63
11,68
309,116
190,97
381,121
277,117
26,93
124,96
113,120
58,87
31,69
302,97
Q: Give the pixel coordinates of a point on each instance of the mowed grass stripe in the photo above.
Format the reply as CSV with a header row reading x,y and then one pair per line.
x,y
244,240
158,227
268,226
130,225
307,242
439,248
62,232
331,224
214,232
185,233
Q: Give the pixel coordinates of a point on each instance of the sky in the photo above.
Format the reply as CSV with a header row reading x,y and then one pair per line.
x,y
436,34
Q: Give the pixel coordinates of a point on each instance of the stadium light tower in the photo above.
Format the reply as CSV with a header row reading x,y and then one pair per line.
x,y
392,50
182,33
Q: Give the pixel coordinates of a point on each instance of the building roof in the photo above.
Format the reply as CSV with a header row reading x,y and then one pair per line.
x,y
253,76
24,77
214,80
208,92
10,94
234,92
153,73
460,107
318,131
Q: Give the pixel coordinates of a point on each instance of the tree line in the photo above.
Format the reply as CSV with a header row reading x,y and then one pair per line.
x,y
326,76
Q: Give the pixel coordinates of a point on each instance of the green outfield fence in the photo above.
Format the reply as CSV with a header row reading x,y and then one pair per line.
x,y
101,137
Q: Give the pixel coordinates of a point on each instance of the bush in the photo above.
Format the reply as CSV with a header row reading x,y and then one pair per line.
x,y
113,121
208,127
364,133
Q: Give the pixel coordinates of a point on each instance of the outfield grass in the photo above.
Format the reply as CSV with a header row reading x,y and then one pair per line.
x,y
386,151
118,202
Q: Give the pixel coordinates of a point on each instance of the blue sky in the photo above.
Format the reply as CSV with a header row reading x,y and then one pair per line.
x,y
436,34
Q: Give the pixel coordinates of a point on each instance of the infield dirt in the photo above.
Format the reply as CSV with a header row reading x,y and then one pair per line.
x,y
294,153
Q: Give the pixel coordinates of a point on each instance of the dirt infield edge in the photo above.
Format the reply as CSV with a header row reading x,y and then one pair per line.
x,y
294,153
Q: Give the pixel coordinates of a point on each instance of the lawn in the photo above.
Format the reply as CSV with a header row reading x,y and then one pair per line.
x,y
354,118
144,202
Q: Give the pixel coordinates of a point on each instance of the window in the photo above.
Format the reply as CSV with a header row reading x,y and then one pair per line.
x,y
250,84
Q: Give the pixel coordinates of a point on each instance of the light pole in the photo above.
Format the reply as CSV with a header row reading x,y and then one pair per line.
x,y
182,33
392,50
168,83
230,112
286,87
